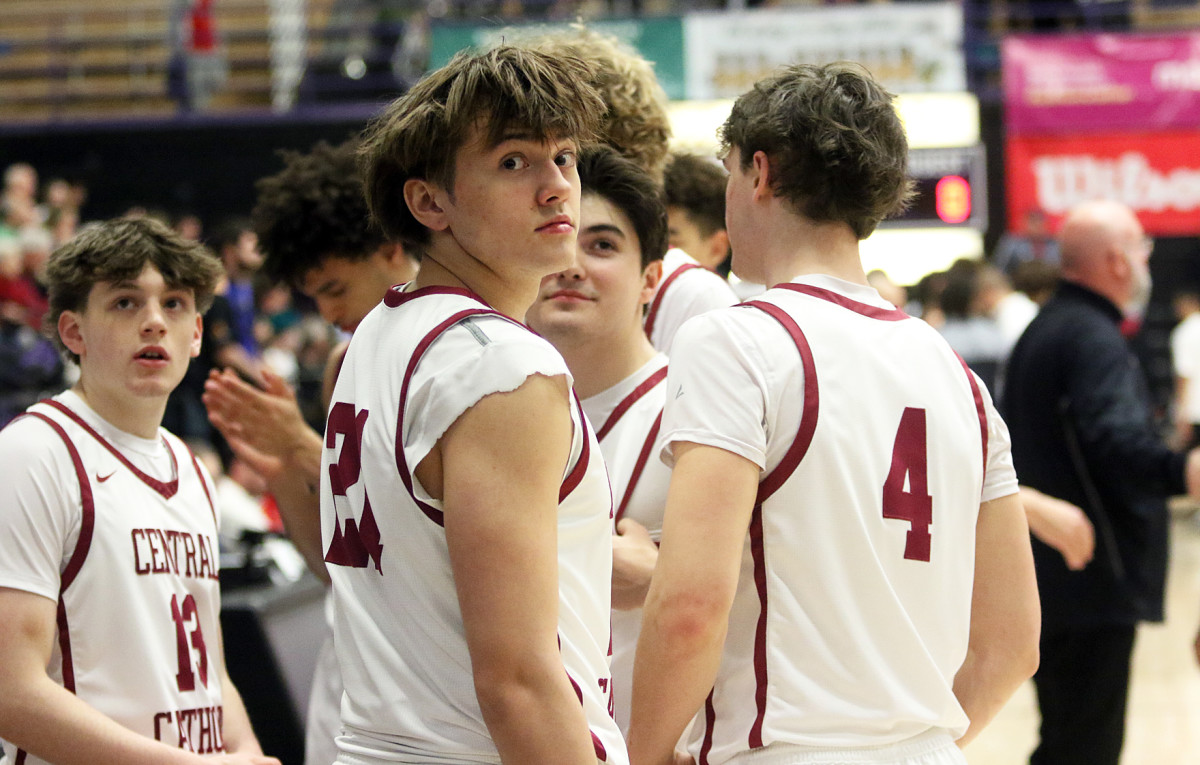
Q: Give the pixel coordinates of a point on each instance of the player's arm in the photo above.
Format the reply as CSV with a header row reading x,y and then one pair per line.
x,y
1061,525
501,465
265,428
43,718
709,505
1002,651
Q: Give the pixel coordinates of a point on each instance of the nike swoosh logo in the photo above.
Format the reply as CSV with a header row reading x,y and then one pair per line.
x,y
105,478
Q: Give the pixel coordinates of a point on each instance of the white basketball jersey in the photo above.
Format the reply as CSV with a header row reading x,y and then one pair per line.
x,y
627,418
139,601
686,289
852,611
415,364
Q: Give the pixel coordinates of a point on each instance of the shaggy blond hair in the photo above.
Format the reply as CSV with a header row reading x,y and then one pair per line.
x,y
503,89
636,122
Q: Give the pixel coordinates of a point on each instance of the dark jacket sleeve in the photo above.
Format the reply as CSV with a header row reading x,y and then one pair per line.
x,y
1108,406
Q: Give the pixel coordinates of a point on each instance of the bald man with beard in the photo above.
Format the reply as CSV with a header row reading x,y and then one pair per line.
x,y
1078,408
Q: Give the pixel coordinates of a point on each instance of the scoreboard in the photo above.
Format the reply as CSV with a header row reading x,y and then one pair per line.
x,y
951,189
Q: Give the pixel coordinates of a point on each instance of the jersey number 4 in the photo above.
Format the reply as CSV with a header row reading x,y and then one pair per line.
x,y
355,544
909,458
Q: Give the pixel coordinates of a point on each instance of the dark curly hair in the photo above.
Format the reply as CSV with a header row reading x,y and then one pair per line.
x,y
837,148
314,209
633,191
505,88
697,186
118,250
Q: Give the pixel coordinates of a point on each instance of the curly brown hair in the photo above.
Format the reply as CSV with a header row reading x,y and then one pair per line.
x,y
635,121
314,209
419,134
837,148
118,250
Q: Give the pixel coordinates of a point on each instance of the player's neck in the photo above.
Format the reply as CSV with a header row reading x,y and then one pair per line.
x,y
136,416
799,247
508,295
597,364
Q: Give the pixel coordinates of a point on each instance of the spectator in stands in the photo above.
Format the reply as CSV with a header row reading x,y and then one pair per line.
x,y
1034,243
970,331
207,68
20,186
58,210
1185,357
1036,279
1010,309
237,245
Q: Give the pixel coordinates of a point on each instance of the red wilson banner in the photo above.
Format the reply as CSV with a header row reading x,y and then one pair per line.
x,y
1157,174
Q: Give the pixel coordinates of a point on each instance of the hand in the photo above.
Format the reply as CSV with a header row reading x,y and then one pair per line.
x,y
267,420
634,558
1062,526
266,466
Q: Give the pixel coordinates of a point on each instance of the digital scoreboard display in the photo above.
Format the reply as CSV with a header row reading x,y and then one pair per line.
x,y
951,189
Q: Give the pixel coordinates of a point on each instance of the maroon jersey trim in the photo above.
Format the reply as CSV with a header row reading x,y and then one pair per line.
x,y
864,309
597,745
396,296
652,314
203,484
766,488
574,478
808,418
980,410
639,466
710,721
82,546
647,385
166,488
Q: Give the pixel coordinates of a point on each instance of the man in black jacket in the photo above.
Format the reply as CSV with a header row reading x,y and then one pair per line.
x,y
1078,408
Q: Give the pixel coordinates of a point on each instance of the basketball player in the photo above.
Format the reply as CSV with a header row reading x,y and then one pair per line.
x,y
466,513
315,232
592,313
110,645
845,572
636,124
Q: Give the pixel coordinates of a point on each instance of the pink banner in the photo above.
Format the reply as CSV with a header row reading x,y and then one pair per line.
x,y
1097,82
1157,174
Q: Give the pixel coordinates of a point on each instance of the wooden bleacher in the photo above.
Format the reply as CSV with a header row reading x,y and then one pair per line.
x,y
67,59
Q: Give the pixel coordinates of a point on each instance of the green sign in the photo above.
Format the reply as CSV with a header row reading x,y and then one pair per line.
x,y
659,40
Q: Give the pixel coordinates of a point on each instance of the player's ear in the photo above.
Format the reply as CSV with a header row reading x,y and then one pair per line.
x,y
718,247
760,167
70,333
197,337
424,200
651,277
